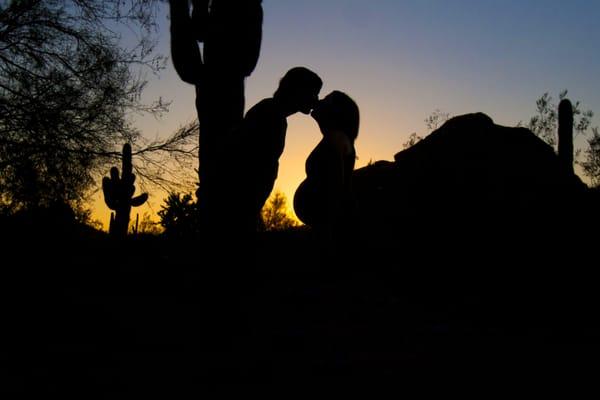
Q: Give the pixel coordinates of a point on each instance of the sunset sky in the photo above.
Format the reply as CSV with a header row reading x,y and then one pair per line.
x,y
400,61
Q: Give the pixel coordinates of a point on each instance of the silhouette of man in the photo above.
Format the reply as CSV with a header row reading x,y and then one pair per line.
x,y
259,142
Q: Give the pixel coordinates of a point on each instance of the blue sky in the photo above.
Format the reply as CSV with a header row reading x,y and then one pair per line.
x,y
401,60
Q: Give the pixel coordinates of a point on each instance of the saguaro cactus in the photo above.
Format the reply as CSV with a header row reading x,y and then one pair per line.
x,y
231,31
118,194
565,135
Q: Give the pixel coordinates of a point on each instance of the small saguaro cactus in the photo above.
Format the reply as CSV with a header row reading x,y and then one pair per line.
x,y
118,194
565,135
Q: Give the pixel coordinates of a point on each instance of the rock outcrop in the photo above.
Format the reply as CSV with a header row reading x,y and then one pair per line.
x,y
468,174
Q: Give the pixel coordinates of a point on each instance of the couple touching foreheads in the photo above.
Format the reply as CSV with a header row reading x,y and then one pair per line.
x,y
324,200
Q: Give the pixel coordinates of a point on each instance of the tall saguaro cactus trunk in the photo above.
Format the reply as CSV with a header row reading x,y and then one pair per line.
x,y
118,194
565,135
567,200
231,33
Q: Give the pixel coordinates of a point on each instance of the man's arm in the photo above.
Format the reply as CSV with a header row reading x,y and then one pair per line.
x,y
185,52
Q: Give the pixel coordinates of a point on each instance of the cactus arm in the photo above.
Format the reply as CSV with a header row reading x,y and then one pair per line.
x,y
185,53
114,175
251,50
200,18
235,36
108,191
127,167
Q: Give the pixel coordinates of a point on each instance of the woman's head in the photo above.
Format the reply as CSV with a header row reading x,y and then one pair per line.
x,y
337,111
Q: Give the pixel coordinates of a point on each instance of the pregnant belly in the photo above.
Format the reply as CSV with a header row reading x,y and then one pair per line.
x,y
308,203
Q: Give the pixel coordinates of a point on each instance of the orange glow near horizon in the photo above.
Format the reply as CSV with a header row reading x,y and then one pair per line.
x,y
302,136
399,61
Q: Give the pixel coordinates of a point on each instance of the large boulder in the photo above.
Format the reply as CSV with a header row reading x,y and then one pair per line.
x,y
468,174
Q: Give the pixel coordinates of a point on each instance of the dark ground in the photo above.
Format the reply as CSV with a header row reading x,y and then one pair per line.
x,y
86,317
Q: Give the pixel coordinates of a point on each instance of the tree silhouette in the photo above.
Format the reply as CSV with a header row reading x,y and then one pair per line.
x,y
412,140
436,119
148,226
275,216
67,88
179,216
591,164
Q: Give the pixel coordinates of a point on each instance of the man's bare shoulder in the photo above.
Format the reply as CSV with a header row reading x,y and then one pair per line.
x,y
265,114
263,107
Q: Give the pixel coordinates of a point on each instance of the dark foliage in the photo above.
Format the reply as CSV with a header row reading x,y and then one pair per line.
x,y
179,216
67,88
591,164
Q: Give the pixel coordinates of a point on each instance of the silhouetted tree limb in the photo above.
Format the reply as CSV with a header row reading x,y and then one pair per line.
x,y
436,119
67,89
412,140
591,164
169,164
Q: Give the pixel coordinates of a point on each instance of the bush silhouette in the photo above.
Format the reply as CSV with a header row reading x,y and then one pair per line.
x,y
179,216
275,216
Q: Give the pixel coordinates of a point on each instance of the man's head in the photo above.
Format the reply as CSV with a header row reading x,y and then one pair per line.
x,y
299,90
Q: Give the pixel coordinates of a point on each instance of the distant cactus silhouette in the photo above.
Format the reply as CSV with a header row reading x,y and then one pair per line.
x,y
565,135
118,194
